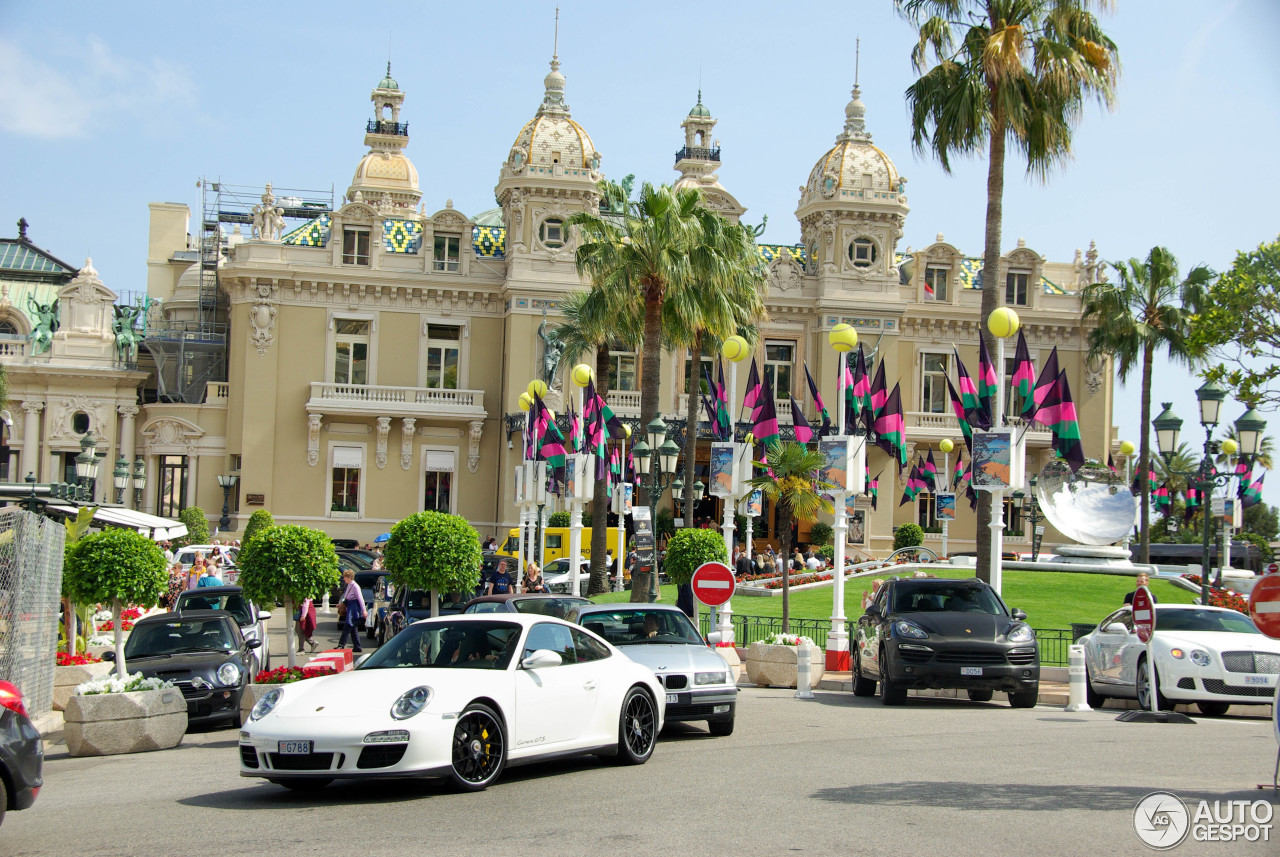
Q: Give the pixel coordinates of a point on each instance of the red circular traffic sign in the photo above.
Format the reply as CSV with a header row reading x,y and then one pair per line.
x,y
1264,605
1273,568
713,583
1144,614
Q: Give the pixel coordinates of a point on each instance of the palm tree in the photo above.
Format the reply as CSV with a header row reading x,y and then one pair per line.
x,y
1185,460
1146,309
994,72
590,326
791,483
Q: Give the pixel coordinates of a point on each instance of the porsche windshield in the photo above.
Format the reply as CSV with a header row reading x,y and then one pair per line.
x,y
934,596
445,644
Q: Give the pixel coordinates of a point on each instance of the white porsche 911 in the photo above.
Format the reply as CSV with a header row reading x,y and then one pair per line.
x,y
459,697
1211,656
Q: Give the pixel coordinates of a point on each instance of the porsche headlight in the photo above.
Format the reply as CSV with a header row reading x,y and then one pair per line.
x,y
411,702
709,678
266,704
229,674
1020,633
903,628
1200,657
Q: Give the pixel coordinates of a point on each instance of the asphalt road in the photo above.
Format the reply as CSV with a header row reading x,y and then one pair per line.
x,y
835,775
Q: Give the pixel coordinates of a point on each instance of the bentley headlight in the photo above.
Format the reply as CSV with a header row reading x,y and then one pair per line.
x,y
709,678
229,674
411,702
1021,633
1200,657
903,628
266,704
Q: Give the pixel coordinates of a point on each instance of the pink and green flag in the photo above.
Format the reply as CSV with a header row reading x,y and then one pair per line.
x,y
915,484
765,426
929,472
970,401
804,433
1253,494
987,383
818,403
891,427
1023,380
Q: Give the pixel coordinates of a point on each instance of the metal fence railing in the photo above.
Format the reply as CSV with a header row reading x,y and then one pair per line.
x,y
30,590
752,629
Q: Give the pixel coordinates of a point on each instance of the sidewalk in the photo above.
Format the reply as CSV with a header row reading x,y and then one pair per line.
x,y
1051,692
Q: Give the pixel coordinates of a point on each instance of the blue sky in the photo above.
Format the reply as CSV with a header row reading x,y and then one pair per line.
x,y
105,108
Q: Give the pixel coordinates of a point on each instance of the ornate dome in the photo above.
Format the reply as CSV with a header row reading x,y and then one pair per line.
x,y
699,111
382,172
551,138
388,82
385,170
842,172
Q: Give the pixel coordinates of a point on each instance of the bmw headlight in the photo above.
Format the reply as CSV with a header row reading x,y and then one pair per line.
x,y
709,678
1200,658
903,628
411,702
265,705
229,674
1020,633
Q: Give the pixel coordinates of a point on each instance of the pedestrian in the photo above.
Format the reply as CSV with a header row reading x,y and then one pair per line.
x,y
812,562
489,543
779,562
533,581
797,561
177,583
743,566
1141,580
870,595
305,623
196,571
353,610
210,576
500,582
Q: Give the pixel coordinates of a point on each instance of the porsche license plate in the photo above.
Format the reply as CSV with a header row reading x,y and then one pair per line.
x,y
1258,679
673,698
294,748
970,670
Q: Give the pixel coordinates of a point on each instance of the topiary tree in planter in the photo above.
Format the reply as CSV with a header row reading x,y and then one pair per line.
x,y
290,564
434,551
118,566
688,549
77,528
258,521
197,527
821,534
908,536
558,519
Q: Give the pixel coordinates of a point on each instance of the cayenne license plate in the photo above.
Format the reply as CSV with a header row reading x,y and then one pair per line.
x,y
970,670
294,748
673,698
1258,679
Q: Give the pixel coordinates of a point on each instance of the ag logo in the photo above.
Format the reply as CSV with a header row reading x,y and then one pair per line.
x,y
1161,820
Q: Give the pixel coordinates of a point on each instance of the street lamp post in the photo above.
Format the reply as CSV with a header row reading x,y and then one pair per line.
x,y
946,445
87,463
1002,324
1126,451
120,477
1031,508
1206,477
226,481
139,481
664,449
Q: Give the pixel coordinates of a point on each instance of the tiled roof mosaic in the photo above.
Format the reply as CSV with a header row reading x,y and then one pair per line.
x,y
314,233
17,256
401,236
769,252
1052,288
489,241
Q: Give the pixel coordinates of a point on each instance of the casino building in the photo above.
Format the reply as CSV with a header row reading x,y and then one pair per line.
x,y
351,361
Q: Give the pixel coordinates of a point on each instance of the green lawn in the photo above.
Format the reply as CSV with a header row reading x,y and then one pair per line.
x,y
1051,599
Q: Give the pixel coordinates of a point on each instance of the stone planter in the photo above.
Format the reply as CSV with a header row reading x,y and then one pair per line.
x,y
105,724
252,693
98,651
65,680
730,655
775,666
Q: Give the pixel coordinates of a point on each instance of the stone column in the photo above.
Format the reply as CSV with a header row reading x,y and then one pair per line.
x,y
128,413
193,476
152,489
31,441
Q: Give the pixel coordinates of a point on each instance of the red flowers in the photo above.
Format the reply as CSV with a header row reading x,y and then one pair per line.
x,y
132,614
65,660
285,675
799,580
1223,597
110,626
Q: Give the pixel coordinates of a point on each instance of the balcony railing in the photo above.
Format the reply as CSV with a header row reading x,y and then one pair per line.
x,y
947,424
698,153
377,126
625,403
13,346
217,392
784,411
381,400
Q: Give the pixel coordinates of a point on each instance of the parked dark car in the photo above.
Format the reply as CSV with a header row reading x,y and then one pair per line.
x,y
546,605
202,652
408,606
943,633
360,558
21,753
251,620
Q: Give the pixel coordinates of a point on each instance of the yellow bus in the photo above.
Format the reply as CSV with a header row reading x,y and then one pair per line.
x,y
557,543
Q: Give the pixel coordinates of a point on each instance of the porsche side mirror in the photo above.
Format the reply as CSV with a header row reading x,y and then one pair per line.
x,y
1020,615
541,658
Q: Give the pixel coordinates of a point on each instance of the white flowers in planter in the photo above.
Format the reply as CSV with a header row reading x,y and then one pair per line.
x,y
787,640
114,684
102,640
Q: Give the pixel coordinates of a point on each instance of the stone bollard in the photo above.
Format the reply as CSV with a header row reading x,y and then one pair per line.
x,y
1077,699
804,680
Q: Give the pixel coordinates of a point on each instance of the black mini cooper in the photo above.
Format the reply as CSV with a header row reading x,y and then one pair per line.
x,y
942,633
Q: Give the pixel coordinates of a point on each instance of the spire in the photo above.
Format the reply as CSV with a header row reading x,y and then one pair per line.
x,y
855,112
553,100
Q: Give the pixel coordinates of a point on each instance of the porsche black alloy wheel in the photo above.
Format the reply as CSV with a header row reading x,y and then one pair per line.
x,y
637,728
479,748
890,693
862,686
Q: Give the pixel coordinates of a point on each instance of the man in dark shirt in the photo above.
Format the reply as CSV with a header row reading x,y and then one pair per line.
x,y
1140,581
744,564
500,582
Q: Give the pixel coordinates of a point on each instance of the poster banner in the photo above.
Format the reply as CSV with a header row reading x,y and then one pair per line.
x,y
724,476
945,506
835,462
857,527
992,460
755,503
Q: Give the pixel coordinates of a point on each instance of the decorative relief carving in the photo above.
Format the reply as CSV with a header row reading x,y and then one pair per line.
x,y
262,315
384,428
448,220
784,273
406,442
171,435
473,450
1093,375
314,421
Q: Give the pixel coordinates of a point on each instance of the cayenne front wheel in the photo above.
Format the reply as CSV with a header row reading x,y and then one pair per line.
x,y
1024,698
890,692
979,695
479,749
862,686
637,728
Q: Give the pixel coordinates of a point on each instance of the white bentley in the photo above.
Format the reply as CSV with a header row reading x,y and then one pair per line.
x,y
1211,656
459,697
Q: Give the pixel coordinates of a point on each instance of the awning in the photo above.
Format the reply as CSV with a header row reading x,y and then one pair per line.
x,y
151,526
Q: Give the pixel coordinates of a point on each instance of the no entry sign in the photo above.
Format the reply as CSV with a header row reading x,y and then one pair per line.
x,y
1144,614
1264,605
713,583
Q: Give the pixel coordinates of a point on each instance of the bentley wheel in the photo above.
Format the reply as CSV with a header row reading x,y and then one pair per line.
x,y
479,749
637,728
302,784
1148,682
1091,696
1213,709
862,686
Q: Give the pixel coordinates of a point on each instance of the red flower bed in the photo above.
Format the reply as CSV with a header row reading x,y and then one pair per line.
x,y
65,660
285,675
132,614
799,580
1223,597
125,624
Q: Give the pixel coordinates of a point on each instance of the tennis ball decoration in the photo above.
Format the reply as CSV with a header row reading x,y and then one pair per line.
x,y
1126,447
526,401
843,337
537,388
735,349
946,445
1003,323
582,375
